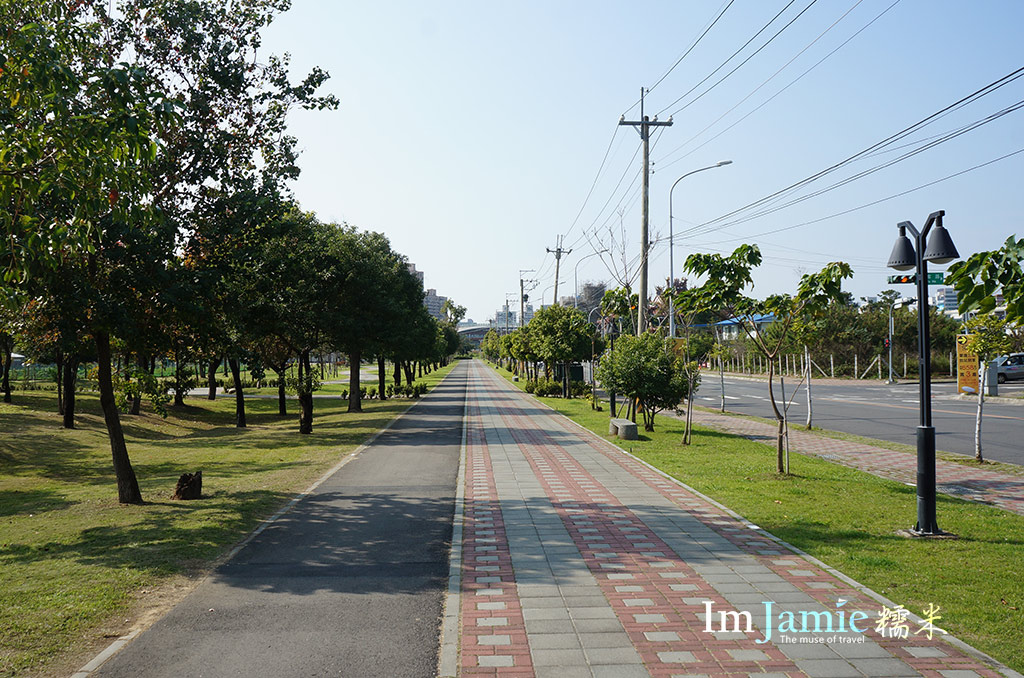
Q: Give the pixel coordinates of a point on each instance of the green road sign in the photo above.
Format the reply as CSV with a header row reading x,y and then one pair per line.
x,y
910,279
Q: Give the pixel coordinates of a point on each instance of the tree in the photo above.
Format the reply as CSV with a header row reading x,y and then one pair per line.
x,y
722,293
645,369
561,334
978,279
987,339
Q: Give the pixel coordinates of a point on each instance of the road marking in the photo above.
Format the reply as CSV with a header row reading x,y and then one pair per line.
x,y
905,407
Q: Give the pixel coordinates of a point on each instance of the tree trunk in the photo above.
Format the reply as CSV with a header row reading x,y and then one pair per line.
x,y
780,452
420,365
127,485
398,373
6,381
70,377
410,374
179,379
565,380
981,402
306,394
236,375
807,366
137,400
211,380
279,370
381,378
60,383
355,400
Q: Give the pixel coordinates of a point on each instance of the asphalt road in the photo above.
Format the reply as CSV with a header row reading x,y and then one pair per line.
x,y
350,582
885,412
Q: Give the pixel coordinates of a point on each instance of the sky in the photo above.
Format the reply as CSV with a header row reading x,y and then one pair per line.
x,y
474,134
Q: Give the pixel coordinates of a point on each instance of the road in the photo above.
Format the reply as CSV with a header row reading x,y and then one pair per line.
x,y
349,582
884,412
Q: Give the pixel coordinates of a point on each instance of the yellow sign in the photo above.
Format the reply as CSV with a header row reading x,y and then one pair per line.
x,y
966,367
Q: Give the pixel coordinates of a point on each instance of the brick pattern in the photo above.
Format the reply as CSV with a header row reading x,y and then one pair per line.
x,y
493,638
977,484
930,657
657,597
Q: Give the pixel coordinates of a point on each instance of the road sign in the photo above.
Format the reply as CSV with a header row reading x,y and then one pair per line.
x,y
911,278
966,366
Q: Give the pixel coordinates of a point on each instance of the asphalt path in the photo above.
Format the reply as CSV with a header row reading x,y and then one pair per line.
x,y
349,582
885,412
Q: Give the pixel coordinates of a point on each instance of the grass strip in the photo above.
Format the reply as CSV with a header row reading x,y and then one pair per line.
x,y
849,519
74,562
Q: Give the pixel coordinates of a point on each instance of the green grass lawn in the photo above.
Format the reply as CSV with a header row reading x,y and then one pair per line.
x,y
74,563
849,520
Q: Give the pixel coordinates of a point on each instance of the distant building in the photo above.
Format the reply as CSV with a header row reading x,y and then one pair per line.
x,y
945,299
418,274
528,314
505,319
434,303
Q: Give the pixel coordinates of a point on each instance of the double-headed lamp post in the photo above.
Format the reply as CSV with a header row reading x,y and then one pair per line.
x,y
671,259
938,249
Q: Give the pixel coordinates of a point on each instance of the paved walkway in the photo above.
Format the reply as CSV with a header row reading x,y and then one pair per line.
x,y
978,484
573,559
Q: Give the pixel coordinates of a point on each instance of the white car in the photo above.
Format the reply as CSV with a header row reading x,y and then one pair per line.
x,y
1010,367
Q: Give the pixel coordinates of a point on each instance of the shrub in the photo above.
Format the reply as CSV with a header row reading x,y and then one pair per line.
x,y
371,393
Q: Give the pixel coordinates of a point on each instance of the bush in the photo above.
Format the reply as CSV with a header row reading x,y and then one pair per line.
x,y
390,392
530,386
578,388
371,393
344,394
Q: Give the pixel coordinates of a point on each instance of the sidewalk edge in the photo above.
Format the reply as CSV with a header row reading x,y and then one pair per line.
x,y
448,657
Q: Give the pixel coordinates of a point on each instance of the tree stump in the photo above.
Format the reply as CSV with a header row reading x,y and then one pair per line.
x,y
190,486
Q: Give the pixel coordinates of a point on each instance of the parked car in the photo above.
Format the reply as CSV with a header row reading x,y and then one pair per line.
x,y
1010,367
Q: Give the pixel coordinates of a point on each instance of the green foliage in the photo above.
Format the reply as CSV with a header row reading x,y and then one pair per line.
x,y
644,368
137,383
982,275
987,336
560,334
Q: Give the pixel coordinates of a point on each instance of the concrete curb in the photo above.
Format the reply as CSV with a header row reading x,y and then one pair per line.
x,y
118,644
448,657
952,640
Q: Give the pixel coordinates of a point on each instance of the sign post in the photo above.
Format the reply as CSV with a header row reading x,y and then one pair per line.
x,y
966,367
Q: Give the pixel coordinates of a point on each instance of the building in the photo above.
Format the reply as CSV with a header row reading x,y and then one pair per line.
x,y
505,319
528,314
418,274
732,329
473,333
434,303
945,299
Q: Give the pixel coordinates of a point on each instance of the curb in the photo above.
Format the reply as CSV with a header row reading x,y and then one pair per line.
x,y
118,644
448,656
948,638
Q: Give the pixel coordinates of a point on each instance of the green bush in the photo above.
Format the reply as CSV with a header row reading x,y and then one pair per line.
x,y
578,388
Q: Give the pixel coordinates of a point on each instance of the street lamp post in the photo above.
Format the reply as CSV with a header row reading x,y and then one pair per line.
x,y
671,258
575,277
905,256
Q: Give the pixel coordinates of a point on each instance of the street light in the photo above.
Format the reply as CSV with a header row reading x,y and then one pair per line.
x,y
671,259
938,249
575,278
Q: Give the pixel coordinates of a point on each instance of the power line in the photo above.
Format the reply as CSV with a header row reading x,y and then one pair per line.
x,y
974,96
731,57
772,77
860,175
691,48
880,200
742,63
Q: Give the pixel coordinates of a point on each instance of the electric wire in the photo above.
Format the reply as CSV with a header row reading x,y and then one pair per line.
x,y
731,57
902,134
772,97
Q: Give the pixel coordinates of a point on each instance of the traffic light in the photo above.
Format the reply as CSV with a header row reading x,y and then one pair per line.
x,y
901,279
886,342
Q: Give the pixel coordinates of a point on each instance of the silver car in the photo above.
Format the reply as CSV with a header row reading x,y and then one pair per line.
x,y
1010,367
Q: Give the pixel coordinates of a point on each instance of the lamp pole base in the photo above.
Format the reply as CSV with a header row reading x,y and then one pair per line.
x,y
927,523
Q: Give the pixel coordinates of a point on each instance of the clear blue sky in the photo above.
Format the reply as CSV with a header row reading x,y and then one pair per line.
x,y
470,132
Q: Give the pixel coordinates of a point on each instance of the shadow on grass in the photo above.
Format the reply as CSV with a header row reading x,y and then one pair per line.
x,y
13,502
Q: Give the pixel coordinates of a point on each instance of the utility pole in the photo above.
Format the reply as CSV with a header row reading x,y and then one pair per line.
x,y
643,126
558,252
522,295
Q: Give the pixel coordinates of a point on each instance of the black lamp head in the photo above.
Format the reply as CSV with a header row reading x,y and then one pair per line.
x,y
903,257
